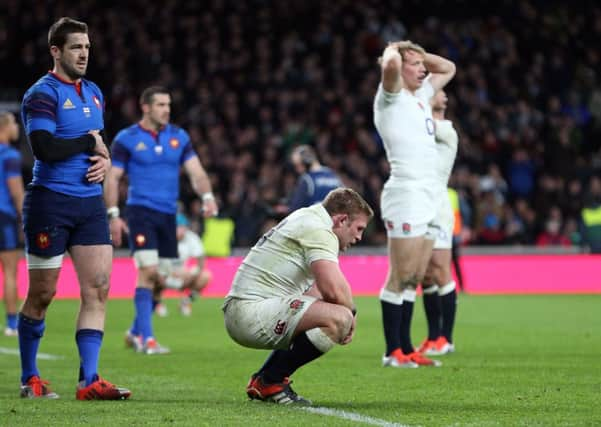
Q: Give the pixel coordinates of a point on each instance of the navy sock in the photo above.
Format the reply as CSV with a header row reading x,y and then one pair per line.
x,y
89,342
143,320
405,329
448,304
391,319
432,307
283,363
30,333
11,320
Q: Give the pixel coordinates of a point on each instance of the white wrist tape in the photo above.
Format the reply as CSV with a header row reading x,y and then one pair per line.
x,y
207,196
113,212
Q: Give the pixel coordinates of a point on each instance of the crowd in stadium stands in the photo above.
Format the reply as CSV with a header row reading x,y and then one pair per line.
x,y
252,79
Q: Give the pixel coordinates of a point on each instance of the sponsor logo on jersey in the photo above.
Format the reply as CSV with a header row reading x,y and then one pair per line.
x,y
140,240
42,240
280,327
174,142
297,304
140,146
406,228
68,105
87,112
97,102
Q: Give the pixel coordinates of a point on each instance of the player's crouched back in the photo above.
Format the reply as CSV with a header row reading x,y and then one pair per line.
x,y
290,295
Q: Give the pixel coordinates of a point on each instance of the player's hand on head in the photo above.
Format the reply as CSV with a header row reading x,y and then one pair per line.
x,y
99,168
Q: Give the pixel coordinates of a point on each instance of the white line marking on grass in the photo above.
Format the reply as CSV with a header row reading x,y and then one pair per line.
x,y
352,416
41,356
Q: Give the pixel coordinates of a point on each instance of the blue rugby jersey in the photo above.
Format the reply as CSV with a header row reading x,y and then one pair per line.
x,y
313,187
10,166
152,162
66,110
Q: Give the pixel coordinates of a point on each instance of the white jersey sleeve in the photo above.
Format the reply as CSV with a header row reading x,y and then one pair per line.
x,y
446,146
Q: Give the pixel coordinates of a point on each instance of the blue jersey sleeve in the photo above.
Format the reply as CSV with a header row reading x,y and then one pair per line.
x,y
188,151
12,167
119,155
39,110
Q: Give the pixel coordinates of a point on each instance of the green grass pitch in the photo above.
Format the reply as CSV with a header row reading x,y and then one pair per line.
x,y
520,360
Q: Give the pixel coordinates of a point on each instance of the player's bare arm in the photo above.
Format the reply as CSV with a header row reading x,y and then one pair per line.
x,y
441,69
391,63
201,185
17,193
111,199
331,283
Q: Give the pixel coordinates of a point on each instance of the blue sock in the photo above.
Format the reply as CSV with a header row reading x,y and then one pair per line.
x,y
134,330
143,303
88,343
30,333
11,320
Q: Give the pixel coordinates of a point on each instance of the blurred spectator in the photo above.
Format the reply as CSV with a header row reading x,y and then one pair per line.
x,y
591,216
251,83
552,233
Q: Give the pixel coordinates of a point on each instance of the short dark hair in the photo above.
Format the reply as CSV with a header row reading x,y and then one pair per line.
x,y
57,35
306,153
347,201
148,94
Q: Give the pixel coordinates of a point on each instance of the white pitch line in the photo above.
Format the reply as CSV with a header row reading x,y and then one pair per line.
x,y
351,416
41,356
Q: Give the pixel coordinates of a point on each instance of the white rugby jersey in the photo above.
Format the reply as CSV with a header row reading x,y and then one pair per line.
x,y
279,264
446,145
190,246
405,124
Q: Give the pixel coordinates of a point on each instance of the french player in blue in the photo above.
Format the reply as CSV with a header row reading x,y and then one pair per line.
x,y
315,180
63,209
11,206
152,152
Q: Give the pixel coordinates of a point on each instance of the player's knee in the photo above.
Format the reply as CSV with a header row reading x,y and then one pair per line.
x,y
100,280
429,278
42,298
342,322
409,282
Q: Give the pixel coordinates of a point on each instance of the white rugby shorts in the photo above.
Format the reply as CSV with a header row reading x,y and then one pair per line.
x,y
407,212
266,323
